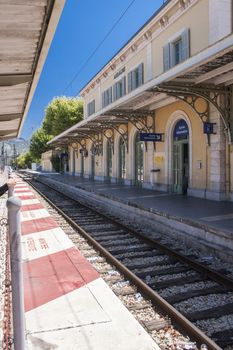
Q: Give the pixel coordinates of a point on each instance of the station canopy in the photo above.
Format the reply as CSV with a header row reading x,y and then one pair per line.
x,y
26,31
207,75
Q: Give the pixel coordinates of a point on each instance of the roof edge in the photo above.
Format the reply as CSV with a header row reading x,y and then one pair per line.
x,y
50,23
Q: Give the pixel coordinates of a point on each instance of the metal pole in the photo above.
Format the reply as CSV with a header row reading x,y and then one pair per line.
x,y
10,191
14,205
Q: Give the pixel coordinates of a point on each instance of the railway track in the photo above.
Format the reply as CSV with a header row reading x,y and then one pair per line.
x,y
198,299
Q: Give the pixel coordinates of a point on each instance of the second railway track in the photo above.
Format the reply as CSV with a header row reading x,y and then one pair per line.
x,y
198,299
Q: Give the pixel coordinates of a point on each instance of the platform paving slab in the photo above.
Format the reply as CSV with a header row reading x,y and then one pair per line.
x,y
67,304
210,212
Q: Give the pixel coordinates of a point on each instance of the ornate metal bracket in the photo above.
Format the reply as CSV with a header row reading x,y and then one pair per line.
x,y
137,118
220,98
115,127
123,134
74,145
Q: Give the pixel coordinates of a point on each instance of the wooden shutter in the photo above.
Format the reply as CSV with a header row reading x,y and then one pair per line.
x,y
166,57
115,91
118,90
172,55
110,95
134,72
123,85
140,74
130,81
185,50
93,106
103,99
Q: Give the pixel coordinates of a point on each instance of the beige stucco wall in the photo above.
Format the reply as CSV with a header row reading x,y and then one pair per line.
x,y
46,161
203,169
131,62
157,158
196,18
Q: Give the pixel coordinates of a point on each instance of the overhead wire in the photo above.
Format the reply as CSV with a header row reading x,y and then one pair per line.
x,y
98,46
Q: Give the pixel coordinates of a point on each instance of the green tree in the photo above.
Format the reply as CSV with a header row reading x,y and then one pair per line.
x,y
61,114
24,161
39,144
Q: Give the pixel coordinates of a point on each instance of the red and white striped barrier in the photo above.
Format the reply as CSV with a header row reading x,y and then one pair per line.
x,y
67,304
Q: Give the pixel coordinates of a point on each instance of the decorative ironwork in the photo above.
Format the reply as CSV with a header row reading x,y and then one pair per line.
x,y
220,98
138,118
7,341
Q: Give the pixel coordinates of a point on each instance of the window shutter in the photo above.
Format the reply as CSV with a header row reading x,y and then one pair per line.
x,y
106,98
93,106
166,57
134,84
130,81
140,74
185,44
110,95
172,55
123,86
103,104
115,91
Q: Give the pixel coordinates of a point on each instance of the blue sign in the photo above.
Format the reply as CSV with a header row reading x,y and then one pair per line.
x,y
181,130
151,137
208,128
64,154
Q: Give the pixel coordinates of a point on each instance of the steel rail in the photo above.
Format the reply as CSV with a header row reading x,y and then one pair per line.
x,y
205,271
184,324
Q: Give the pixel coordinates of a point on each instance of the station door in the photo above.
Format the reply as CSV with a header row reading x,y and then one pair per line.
x,y
109,161
139,166
122,162
180,158
92,166
81,164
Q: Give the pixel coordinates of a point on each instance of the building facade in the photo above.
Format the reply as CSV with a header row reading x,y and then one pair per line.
x,y
159,113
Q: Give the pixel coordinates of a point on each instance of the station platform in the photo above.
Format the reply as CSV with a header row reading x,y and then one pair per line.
x,y
67,303
208,221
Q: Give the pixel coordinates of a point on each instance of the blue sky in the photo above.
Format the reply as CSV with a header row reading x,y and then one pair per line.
x,y
83,25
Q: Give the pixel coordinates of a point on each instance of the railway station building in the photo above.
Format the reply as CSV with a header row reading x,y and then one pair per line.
x,y
159,113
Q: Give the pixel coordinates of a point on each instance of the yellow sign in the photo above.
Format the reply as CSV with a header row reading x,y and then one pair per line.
x,y
159,159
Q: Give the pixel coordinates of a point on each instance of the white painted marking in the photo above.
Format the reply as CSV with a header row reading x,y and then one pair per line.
x,y
91,317
21,189
39,244
25,194
34,214
218,217
30,201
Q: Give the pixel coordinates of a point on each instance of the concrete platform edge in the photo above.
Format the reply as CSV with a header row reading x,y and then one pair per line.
x,y
193,233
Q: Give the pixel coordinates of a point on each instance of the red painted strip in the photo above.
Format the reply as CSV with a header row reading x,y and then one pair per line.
x,y
29,207
18,190
37,225
26,197
50,277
